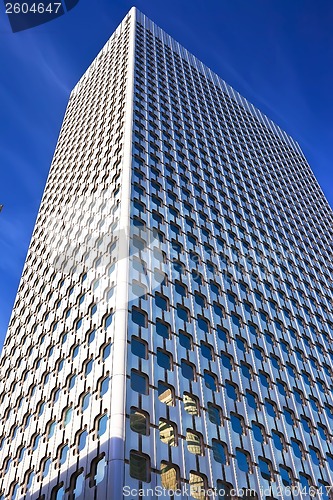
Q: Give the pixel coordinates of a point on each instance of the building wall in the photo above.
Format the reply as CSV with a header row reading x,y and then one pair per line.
x,y
58,360
229,346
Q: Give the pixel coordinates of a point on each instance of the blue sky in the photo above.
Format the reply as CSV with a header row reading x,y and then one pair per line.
x,y
276,53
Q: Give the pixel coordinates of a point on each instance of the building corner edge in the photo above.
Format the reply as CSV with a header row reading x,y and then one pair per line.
x,y
118,388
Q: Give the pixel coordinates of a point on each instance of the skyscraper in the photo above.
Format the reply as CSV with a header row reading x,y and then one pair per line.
x,y
172,327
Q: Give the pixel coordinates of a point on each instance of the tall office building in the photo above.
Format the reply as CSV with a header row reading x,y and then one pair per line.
x,y
172,327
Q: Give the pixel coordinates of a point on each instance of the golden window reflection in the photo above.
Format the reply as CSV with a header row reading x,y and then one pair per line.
x,y
167,432
194,443
166,394
138,421
169,476
191,404
197,486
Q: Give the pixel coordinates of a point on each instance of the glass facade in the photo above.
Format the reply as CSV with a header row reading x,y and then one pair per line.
x,y
173,324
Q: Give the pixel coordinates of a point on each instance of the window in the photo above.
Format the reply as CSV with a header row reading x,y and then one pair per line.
x,y
203,324
297,448
323,487
246,370
210,380
286,475
307,425
162,329
75,351
315,455
185,340
237,423
271,408
183,313
139,347
21,454
139,421
35,442
98,466
139,466
104,386
7,464
68,416
138,289
306,483
82,439
243,460
314,404
258,432
106,351
194,442
89,367
29,479
71,382
323,431
252,400
108,321
85,401
77,483
198,485
329,411
265,379
46,467
181,289
241,344
232,390
139,382
102,425
81,299
207,351
227,361
166,393
168,432
224,490
219,451
223,334
289,416
164,359
191,404
278,440
139,317
266,468
170,476
188,370
214,413
63,455
161,301
52,427
91,337
60,365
